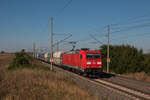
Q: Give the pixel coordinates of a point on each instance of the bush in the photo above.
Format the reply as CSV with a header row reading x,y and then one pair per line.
x,y
124,59
21,60
2,51
146,63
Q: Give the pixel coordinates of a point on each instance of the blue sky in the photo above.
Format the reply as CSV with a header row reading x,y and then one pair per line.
x,y
24,22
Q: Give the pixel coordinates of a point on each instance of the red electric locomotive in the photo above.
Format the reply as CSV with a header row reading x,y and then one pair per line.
x,y
85,61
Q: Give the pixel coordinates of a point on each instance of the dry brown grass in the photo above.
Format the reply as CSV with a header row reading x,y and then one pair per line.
x,y
138,76
28,84
6,59
37,63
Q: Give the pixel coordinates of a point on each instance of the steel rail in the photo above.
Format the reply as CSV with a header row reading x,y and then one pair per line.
x,y
132,93
118,88
138,94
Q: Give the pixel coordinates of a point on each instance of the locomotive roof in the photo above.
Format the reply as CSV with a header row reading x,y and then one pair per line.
x,y
86,51
90,51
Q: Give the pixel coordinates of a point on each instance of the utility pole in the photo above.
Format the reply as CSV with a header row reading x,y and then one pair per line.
x,y
51,43
108,59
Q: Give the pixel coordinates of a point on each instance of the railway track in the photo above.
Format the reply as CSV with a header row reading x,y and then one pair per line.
x,y
132,93
140,86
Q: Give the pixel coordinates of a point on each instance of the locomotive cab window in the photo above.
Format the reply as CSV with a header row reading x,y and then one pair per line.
x,y
93,56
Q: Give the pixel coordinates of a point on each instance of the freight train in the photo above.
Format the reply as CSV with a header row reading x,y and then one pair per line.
x,y
81,61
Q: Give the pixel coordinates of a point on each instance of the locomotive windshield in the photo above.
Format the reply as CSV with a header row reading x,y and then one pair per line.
x,y
92,56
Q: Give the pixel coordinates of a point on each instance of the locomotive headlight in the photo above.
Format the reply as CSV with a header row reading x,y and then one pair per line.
x,y
88,62
99,62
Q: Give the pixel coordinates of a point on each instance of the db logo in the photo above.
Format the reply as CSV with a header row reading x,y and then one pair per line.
x,y
94,62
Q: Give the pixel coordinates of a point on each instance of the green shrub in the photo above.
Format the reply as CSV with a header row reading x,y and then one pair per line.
x,y
21,60
146,63
124,59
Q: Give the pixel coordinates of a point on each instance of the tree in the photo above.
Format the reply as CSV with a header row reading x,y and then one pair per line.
x,y
2,51
146,63
124,58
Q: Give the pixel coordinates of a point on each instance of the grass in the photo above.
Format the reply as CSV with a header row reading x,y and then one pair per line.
x,y
141,76
32,66
28,84
138,76
6,59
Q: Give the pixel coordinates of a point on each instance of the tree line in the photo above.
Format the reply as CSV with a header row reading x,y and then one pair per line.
x,y
126,59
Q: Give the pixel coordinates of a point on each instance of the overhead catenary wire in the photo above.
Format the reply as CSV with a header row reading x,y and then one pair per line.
x,y
130,20
132,27
133,35
96,39
96,30
59,12
134,22
64,7
128,24
69,35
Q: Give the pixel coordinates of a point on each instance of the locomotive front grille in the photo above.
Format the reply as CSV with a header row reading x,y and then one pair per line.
x,y
93,70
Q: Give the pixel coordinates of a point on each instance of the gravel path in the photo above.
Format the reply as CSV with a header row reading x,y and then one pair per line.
x,y
131,83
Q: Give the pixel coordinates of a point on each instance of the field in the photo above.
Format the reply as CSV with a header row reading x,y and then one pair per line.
x,y
36,84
